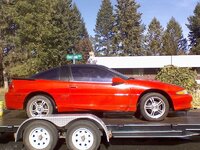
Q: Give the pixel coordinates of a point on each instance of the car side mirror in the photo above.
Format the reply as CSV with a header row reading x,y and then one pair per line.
x,y
117,81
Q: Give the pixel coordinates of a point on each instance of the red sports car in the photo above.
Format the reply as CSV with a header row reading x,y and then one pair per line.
x,y
92,87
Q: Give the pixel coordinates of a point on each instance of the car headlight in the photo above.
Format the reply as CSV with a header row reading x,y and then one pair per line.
x,y
183,92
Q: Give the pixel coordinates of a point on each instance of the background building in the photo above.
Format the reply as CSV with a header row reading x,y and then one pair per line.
x,y
148,66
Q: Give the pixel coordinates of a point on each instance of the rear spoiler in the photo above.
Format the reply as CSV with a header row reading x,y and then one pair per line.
x,y
31,79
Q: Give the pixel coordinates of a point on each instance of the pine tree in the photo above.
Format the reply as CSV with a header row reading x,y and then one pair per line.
x,y
153,39
83,47
128,29
81,29
103,29
65,35
173,40
32,23
40,34
194,27
83,44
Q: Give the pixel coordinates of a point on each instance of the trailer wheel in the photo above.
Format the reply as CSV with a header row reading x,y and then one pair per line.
x,y
40,135
39,105
154,107
83,135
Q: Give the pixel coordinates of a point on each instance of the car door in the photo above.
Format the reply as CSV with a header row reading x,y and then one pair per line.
x,y
91,88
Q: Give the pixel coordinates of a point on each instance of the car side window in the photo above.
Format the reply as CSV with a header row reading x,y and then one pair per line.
x,y
91,74
64,73
52,74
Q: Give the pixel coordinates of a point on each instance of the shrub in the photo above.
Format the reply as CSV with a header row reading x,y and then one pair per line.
x,y
184,77
196,98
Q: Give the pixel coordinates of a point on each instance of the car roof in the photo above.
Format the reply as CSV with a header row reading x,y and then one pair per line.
x,y
84,65
87,65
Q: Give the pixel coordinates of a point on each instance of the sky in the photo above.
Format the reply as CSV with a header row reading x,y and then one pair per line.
x,y
163,10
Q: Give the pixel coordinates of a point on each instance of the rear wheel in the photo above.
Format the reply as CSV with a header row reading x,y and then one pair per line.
x,y
40,135
83,135
39,105
154,107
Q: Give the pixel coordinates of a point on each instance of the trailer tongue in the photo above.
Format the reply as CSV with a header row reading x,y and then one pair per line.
x,y
84,131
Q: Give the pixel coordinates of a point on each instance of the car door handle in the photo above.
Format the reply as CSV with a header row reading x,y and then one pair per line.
x,y
73,87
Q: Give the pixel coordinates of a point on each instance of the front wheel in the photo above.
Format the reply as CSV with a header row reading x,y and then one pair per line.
x,y
154,107
83,135
40,135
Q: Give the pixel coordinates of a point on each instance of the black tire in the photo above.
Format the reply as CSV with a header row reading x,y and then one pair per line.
x,y
91,134
32,110
40,135
154,107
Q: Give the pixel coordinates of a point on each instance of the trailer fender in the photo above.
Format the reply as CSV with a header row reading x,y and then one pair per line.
x,y
63,120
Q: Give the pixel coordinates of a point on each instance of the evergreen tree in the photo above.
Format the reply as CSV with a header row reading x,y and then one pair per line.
x,y
8,32
173,40
83,44
71,30
65,35
194,27
82,31
153,39
103,29
40,34
128,29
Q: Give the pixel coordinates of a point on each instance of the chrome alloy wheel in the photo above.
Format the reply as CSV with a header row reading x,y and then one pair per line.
x,y
154,107
39,107
82,139
39,138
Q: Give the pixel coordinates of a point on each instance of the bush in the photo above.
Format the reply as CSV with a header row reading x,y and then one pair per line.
x,y
183,77
196,98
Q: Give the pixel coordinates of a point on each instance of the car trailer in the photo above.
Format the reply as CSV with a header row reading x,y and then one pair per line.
x,y
84,131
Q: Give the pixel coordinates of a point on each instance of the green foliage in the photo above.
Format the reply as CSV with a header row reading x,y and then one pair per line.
x,y
39,34
194,27
82,43
84,47
173,41
128,29
103,29
184,77
196,98
153,38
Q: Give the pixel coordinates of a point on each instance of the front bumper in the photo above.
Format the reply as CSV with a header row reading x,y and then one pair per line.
x,y
182,102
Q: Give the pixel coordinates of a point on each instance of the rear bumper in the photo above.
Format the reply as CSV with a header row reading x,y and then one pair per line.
x,y
182,102
14,101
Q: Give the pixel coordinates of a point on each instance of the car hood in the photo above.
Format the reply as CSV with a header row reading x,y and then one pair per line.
x,y
153,84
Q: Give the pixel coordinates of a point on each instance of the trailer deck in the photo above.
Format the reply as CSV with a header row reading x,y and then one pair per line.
x,y
177,125
11,120
180,124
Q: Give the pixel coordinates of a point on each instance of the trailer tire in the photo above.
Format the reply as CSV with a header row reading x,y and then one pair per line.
x,y
154,107
39,105
83,135
40,135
